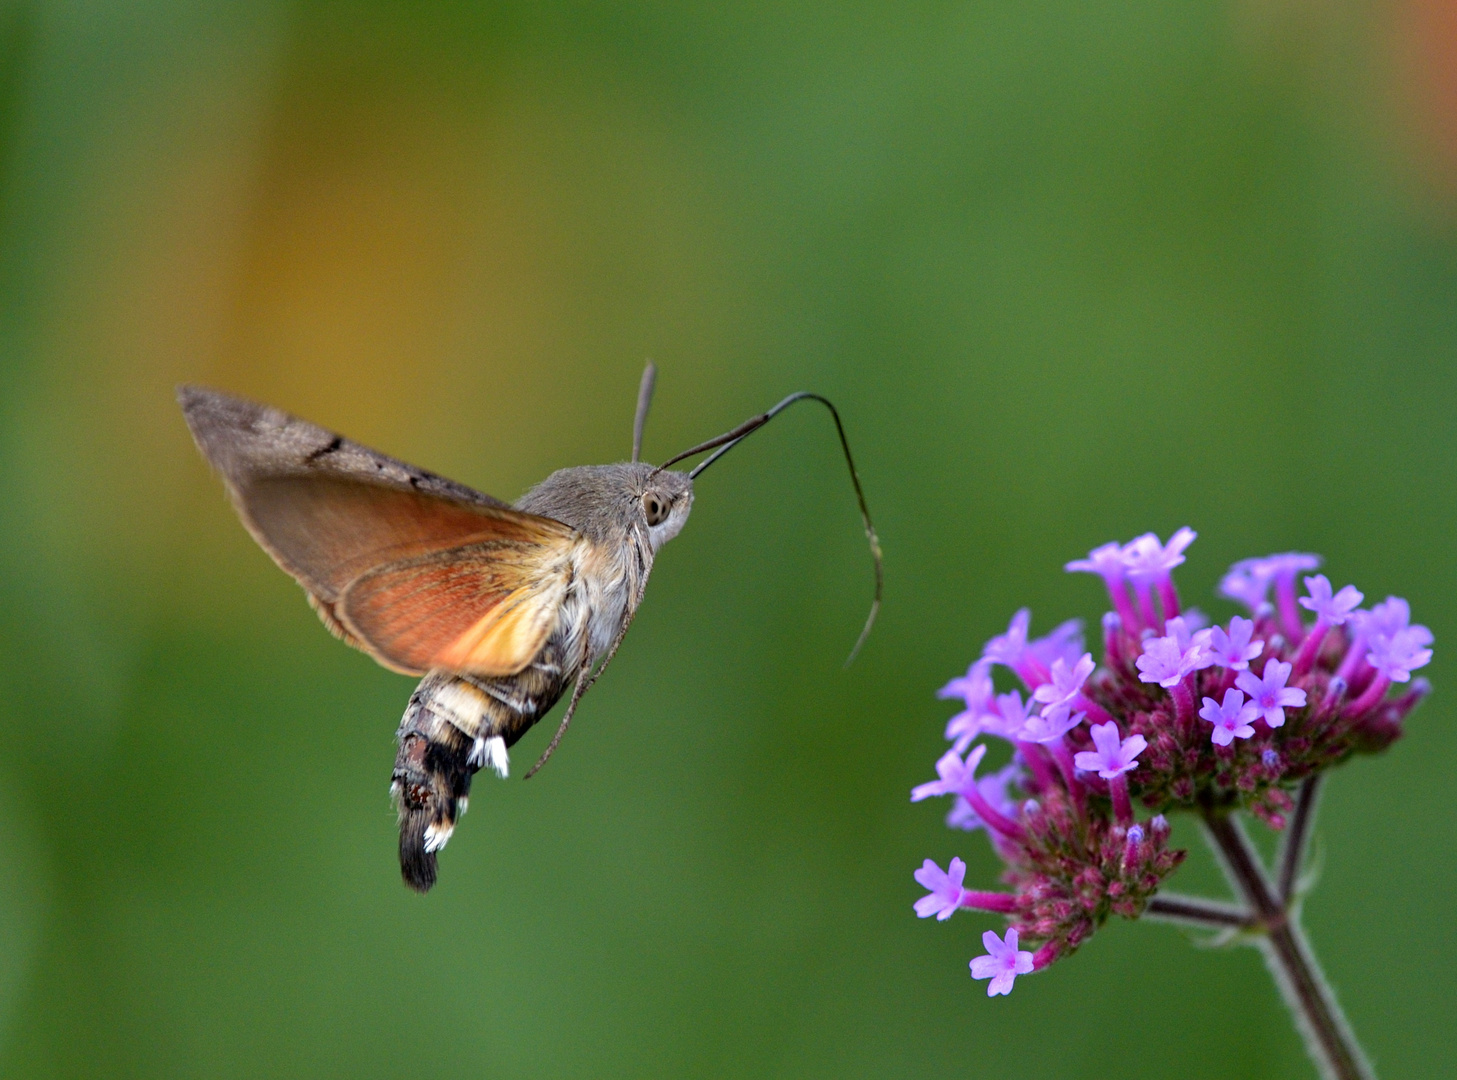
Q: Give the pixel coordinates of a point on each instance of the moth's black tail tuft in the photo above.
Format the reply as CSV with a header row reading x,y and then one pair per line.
x,y
430,784
417,866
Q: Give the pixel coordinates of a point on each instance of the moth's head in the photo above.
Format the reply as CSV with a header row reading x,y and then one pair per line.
x,y
662,499
610,503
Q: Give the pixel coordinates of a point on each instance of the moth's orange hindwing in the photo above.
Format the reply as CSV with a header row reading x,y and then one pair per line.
x,y
482,609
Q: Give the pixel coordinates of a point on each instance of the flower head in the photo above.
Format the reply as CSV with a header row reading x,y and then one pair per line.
x,y
945,885
1113,756
1233,649
1232,719
1268,692
1002,964
1332,610
1064,815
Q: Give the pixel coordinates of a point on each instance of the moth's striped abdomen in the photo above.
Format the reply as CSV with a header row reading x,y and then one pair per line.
x,y
453,727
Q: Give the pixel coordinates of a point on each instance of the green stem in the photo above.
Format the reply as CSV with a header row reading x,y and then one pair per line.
x,y
1328,1037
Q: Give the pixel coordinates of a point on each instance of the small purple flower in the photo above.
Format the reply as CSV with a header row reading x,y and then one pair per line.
x,y
1113,756
1288,564
1396,656
1232,719
1389,617
1248,582
1185,630
1065,643
1332,610
1009,715
974,688
1031,659
1150,560
1106,561
946,891
1066,685
1002,964
1165,661
976,691
1269,694
994,789
1049,727
1234,649
1008,648
955,775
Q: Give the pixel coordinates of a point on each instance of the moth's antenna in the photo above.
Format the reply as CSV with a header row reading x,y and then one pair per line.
x,y
727,441
644,399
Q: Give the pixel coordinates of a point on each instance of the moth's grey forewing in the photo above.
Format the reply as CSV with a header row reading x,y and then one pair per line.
x,y
330,512
244,440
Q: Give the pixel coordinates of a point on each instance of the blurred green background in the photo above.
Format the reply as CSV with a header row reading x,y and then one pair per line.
x,y
1071,270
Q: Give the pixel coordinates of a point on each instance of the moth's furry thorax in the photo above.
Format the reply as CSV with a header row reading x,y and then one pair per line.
x,y
605,503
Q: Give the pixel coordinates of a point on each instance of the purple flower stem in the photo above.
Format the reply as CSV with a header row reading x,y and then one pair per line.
x,y
1038,762
1000,902
1064,758
1297,838
991,817
1032,673
1328,1037
1096,713
1369,699
1289,613
1196,911
1118,593
1225,684
1308,648
1355,657
1168,597
1046,955
1122,805
1335,693
1145,607
1113,641
1183,694
1408,701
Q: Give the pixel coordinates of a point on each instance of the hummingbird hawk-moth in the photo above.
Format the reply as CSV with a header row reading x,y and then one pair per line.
x,y
500,608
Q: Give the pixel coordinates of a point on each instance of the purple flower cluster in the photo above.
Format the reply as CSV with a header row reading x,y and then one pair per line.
x,y
1179,716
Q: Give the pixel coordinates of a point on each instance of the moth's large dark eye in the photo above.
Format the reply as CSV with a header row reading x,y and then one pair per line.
x,y
655,508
